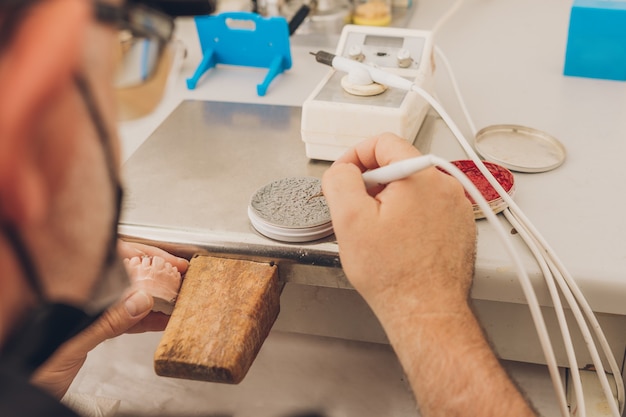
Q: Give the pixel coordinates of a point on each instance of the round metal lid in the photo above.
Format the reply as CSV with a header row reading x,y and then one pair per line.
x,y
520,148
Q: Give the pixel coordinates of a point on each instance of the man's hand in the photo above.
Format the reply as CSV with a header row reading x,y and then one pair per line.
x,y
412,240
132,314
408,248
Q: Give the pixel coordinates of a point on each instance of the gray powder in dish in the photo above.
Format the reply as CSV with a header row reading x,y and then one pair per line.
x,y
292,203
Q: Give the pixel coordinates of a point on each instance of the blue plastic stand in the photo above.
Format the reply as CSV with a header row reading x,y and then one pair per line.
x,y
596,43
243,38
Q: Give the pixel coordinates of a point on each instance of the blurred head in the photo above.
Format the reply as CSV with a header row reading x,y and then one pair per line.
x,y
59,161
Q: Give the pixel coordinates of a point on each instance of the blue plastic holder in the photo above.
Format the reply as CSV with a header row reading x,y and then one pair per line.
x,y
243,38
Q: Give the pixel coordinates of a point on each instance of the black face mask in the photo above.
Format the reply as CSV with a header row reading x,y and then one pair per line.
x,y
50,324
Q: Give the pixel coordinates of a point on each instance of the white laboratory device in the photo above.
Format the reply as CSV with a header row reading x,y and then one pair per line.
x,y
347,107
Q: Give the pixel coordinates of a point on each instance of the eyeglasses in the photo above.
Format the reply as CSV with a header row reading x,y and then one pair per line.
x,y
145,55
143,35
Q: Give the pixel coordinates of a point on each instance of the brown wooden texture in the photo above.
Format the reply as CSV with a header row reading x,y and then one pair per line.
x,y
224,312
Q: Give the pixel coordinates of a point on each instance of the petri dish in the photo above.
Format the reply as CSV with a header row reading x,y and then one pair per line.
x,y
291,210
520,148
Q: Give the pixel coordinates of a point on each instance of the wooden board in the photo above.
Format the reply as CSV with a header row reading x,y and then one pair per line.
x,y
224,312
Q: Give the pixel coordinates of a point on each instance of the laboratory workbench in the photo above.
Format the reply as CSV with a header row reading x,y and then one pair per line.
x,y
507,57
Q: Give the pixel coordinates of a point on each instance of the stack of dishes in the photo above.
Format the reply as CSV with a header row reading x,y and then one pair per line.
x,y
291,210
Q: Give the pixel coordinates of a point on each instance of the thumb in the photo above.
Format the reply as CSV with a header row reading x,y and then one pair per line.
x,y
345,193
136,306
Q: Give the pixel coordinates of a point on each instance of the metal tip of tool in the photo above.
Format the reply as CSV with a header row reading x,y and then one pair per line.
x,y
320,194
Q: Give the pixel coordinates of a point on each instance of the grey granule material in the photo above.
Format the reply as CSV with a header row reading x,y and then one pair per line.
x,y
291,202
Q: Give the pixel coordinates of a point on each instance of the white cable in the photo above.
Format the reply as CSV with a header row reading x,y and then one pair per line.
x,y
590,343
516,210
571,286
457,91
446,16
558,307
521,217
580,319
386,78
430,39
577,301
531,243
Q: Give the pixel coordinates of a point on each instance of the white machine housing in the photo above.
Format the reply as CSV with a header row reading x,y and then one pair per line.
x,y
334,120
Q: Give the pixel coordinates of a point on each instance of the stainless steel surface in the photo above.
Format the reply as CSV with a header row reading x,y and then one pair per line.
x,y
189,185
188,189
297,263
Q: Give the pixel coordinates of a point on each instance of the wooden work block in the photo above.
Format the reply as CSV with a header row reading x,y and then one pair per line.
x,y
224,312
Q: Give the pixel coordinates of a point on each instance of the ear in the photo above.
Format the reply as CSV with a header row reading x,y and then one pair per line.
x,y
37,63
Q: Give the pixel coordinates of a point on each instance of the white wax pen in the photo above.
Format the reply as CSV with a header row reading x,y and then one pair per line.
x,y
396,170
392,172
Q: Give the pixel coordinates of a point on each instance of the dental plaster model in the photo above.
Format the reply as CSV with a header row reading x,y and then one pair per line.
x,y
158,278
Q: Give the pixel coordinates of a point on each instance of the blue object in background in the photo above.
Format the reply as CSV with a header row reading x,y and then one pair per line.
x,y
596,43
243,38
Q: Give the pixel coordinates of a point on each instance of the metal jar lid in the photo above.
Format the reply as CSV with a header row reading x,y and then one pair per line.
x,y
520,148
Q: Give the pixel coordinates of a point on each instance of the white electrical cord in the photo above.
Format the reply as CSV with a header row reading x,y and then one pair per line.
x,y
430,40
513,208
536,252
553,273
457,91
560,313
568,287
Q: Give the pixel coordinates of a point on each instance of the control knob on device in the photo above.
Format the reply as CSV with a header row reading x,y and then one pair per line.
x,y
404,58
